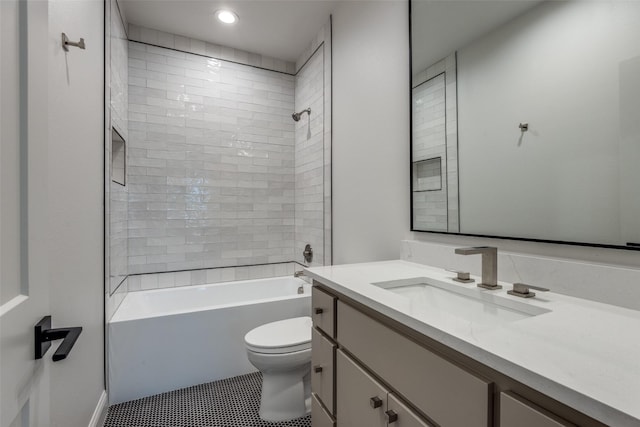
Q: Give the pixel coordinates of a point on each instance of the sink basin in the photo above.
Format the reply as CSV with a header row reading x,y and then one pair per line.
x,y
458,306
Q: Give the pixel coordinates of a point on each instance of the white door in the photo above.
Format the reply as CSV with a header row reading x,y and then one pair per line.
x,y
24,298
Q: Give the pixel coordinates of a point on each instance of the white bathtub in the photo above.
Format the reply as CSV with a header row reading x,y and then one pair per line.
x,y
165,339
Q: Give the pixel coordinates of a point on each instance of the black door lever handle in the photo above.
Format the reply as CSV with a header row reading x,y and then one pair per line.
x,y
44,335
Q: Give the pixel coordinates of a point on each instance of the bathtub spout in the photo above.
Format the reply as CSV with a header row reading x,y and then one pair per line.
x,y
298,273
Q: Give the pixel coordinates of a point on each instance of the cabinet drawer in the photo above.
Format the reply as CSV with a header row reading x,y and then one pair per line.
x,y
356,391
518,412
449,395
406,416
319,417
322,368
323,311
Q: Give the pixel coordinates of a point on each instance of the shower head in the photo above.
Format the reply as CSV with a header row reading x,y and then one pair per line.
x,y
296,116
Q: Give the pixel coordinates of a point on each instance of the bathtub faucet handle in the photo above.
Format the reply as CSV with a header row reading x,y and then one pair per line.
x,y
298,273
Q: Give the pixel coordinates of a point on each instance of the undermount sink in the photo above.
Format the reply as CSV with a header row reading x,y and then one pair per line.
x,y
459,306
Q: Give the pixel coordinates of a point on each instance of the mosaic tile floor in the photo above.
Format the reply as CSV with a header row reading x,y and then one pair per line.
x,y
233,402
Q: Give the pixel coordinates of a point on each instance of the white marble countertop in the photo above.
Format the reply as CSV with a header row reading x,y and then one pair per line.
x,y
582,353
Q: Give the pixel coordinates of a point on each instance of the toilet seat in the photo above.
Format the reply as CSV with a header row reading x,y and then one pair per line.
x,y
283,336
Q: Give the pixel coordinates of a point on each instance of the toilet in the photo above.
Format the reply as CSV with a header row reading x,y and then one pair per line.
x,y
282,352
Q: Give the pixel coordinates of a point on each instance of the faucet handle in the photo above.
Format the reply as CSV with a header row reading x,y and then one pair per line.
x,y
462,276
522,290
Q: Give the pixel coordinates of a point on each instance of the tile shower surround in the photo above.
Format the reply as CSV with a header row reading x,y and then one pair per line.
x,y
211,162
239,208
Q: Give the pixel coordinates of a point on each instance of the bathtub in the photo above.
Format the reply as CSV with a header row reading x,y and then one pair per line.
x,y
166,339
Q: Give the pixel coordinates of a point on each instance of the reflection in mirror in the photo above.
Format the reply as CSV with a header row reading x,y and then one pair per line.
x,y
571,71
435,148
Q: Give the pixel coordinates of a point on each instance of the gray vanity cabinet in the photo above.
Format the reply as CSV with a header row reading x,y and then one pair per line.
x,y
323,351
322,368
323,312
448,394
373,368
320,417
406,417
361,400
517,412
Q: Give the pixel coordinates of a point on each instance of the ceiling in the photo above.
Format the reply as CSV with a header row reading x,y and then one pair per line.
x,y
278,28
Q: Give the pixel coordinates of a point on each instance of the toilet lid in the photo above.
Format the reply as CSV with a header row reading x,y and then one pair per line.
x,y
283,336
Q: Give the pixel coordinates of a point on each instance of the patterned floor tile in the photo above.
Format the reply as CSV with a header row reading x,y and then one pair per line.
x,y
233,402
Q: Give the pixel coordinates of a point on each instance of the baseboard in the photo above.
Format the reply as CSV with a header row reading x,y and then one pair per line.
x,y
100,413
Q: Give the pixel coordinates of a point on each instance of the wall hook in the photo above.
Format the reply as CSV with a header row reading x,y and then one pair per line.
x,y
524,127
66,43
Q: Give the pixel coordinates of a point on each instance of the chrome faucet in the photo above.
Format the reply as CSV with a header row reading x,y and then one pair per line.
x,y
298,273
489,264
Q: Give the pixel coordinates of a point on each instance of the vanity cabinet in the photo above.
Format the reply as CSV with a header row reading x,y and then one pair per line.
x,y
363,401
517,412
370,371
322,368
446,393
323,353
323,311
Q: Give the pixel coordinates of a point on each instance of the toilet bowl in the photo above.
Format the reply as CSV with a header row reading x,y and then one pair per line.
x,y
282,352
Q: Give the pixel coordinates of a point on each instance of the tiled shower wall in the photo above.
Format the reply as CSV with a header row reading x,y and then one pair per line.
x,y
211,162
313,151
116,197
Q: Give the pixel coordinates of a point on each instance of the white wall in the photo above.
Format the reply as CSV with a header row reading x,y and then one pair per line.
x,y
76,206
370,130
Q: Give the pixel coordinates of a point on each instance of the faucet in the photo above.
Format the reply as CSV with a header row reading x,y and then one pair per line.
x,y
298,273
489,264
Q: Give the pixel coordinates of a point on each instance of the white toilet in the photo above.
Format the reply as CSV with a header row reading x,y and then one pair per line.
x,y
282,352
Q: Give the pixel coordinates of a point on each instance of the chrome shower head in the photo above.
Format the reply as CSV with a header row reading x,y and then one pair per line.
x,y
296,116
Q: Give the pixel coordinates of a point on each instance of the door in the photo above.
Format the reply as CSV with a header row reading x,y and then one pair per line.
x,y
24,298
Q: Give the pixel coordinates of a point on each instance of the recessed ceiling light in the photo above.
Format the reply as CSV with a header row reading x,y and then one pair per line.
x,y
226,16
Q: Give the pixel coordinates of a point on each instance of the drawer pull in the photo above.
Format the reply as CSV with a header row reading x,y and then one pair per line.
x,y
392,416
317,369
375,402
319,311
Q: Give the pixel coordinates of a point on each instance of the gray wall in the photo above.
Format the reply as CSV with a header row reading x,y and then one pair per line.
x,y
370,130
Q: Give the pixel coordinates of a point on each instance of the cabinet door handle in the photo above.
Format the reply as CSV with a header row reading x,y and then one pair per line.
x,y
317,369
392,416
375,402
319,311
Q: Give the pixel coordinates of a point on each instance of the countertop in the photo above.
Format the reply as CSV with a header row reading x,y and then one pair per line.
x,y
582,353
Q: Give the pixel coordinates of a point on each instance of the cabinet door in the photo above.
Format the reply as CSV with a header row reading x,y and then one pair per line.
x,y
319,417
322,369
323,311
517,412
360,400
448,394
405,416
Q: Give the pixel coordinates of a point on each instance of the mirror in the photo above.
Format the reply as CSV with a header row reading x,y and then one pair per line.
x,y
542,140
